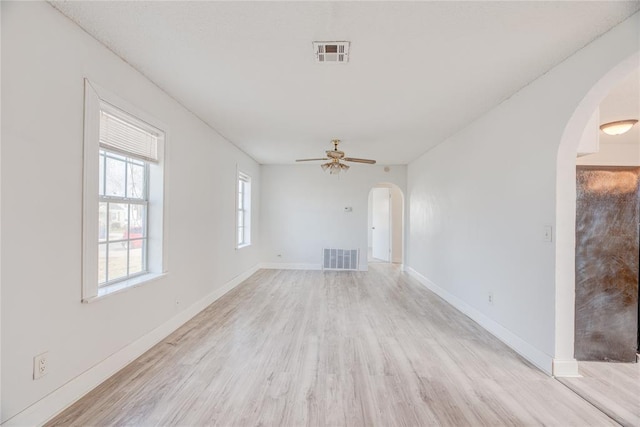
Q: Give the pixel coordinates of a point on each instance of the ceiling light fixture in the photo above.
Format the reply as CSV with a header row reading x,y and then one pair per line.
x,y
334,166
618,128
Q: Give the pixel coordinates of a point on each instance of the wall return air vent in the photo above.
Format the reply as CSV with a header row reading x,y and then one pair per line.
x,y
336,52
340,259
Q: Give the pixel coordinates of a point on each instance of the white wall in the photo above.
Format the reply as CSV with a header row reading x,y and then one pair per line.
x,y
44,60
0,231
303,211
397,220
478,202
370,220
613,155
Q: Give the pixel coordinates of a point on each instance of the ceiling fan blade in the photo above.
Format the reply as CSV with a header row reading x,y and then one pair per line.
x,y
353,159
310,160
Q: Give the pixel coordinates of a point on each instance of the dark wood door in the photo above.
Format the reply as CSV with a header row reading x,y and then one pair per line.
x,y
607,251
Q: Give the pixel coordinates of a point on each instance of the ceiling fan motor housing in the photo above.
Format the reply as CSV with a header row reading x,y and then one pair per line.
x,y
335,154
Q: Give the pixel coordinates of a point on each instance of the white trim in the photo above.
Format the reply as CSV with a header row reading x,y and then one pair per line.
x,y
60,399
289,266
90,197
526,350
125,285
565,368
299,266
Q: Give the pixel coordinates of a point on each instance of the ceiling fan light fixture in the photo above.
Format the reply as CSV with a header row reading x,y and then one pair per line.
x,y
336,160
618,128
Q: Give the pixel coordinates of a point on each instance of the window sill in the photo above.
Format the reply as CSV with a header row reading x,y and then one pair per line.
x,y
246,245
124,286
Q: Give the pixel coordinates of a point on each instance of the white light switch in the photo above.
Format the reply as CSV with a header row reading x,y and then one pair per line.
x,y
547,234
348,209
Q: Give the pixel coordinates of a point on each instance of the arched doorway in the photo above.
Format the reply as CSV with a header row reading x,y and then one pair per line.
x,y
564,361
385,224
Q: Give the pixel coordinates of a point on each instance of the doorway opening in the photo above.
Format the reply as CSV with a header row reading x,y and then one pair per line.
x,y
385,224
565,363
607,240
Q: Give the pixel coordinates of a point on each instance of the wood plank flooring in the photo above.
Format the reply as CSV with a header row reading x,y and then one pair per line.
x,y
298,348
614,388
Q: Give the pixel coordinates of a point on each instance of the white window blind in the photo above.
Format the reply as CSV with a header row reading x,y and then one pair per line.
x,y
127,138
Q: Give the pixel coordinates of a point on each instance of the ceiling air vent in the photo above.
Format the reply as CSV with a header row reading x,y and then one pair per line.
x,y
337,52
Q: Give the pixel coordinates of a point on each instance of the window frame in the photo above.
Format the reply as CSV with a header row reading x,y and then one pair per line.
x,y
97,99
129,201
243,204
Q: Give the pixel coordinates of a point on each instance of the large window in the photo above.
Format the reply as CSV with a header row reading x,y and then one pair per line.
x,y
122,216
123,206
244,210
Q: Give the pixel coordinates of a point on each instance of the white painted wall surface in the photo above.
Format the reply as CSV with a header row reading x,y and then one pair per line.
x,y
303,211
370,220
397,221
0,229
613,155
590,141
44,60
478,201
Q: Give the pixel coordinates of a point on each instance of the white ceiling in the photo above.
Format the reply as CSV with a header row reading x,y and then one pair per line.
x,y
419,71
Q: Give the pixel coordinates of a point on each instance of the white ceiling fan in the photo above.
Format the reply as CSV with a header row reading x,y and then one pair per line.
x,y
336,159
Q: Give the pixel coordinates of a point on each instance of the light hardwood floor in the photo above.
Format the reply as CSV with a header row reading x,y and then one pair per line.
x,y
614,388
297,348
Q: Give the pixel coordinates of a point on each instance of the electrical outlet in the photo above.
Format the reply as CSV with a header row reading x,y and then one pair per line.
x,y
40,365
490,298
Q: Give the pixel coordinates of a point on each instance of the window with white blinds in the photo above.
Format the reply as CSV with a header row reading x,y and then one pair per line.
x,y
123,195
127,135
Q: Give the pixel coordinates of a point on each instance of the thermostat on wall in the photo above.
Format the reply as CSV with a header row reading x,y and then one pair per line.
x,y
348,209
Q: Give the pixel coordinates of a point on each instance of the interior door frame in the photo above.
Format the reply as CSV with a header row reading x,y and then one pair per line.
x,y
389,239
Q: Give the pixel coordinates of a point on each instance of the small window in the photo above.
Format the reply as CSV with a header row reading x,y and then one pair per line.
x,y
243,217
123,196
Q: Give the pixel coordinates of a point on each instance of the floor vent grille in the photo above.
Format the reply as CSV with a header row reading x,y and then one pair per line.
x,y
340,259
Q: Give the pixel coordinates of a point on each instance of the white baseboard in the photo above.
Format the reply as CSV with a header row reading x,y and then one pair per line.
x,y
565,368
298,266
60,399
289,266
526,350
